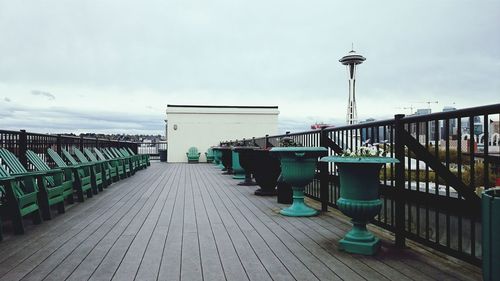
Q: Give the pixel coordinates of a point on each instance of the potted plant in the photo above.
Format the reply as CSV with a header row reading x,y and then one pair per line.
x,y
246,155
359,197
298,167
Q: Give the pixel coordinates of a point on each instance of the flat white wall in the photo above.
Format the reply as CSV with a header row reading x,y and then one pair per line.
x,y
206,127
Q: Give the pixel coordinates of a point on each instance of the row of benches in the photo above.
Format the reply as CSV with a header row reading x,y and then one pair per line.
x,y
32,193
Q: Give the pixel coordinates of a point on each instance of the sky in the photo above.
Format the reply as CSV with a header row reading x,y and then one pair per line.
x,y
112,66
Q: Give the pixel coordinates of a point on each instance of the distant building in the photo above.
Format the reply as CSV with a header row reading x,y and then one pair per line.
x,y
203,126
421,131
452,123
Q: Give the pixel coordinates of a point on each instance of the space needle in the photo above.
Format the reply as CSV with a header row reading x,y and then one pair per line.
x,y
351,60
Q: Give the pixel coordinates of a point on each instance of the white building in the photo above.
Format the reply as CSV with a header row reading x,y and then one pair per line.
x,y
203,126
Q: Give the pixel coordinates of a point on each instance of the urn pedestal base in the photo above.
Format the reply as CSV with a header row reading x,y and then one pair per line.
x,y
238,176
298,208
360,241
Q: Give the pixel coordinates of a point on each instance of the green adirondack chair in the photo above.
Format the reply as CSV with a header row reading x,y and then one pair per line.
x,y
193,155
117,164
106,164
95,176
134,158
144,157
50,189
130,160
68,179
138,159
125,162
98,170
21,199
210,155
81,173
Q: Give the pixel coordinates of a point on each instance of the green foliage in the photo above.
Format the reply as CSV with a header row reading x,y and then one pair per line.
x,y
289,142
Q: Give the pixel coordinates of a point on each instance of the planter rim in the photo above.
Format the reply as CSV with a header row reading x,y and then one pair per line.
x,y
223,148
237,148
298,149
493,192
361,160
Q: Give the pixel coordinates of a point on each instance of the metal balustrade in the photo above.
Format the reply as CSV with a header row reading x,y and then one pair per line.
x,y
432,196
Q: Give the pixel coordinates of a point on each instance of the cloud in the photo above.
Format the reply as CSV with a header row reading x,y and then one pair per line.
x,y
7,99
43,94
261,52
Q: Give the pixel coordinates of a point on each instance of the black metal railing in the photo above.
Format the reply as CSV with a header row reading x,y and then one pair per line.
x,y
19,142
152,149
432,196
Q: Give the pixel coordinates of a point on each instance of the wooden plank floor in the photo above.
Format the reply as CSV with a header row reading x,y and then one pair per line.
x,y
189,222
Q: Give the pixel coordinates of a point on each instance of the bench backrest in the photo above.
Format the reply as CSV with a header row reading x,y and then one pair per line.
x,y
56,158
36,161
193,151
12,162
69,157
90,155
80,155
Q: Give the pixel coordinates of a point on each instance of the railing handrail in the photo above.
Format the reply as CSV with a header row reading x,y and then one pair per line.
x,y
479,110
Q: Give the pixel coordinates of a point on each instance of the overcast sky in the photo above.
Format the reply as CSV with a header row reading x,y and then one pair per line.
x,y
113,66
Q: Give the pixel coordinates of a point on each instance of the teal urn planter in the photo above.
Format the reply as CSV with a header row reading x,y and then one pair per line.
x,y
298,167
359,199
218,158
238,171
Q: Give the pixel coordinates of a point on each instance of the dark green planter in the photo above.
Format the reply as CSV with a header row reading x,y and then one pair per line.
x,y
227,160
245,156
490,229
298,167
266,171
238,172
359,199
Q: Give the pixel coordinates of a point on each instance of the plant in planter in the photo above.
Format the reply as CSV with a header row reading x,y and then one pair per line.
x,y
298,167
359,198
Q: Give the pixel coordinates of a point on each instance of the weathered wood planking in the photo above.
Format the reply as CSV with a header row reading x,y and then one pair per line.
x,y
190,222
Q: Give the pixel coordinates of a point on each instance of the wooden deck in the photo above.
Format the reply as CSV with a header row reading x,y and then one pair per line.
x,y
189,222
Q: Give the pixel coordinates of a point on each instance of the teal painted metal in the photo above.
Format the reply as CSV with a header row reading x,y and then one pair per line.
x,y
193,155
359,199
218,154
210,155
490,229
238,171
298,167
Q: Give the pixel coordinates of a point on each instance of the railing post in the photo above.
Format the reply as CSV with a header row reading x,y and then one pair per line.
x,y
23,147
96,142
81,142
399,150
59,144
324,190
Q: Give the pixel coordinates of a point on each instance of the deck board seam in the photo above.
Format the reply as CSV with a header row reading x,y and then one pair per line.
x,y
138,196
